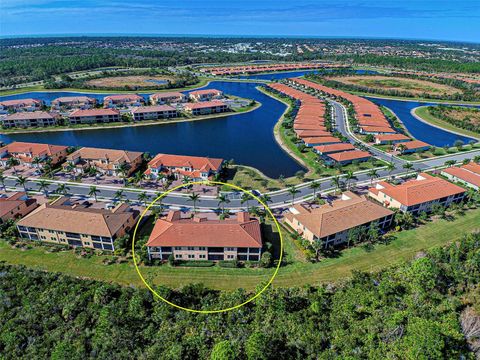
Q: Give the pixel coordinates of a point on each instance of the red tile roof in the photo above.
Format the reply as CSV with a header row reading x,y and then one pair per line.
x,y
195,162
21,102
349,155
172,94
325,149
468,173
423,189
151,109
205,92
204,104
29,115
175,231
414,144
36,149
391,137
94,112
124,97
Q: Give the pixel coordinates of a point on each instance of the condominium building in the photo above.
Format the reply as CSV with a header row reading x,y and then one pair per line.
x,y
33,154
94,116
206,107
29,119
205,95
124,100
468,175
16,205
20,105
167,98
417,195
195,168
67,223
106,161
412,146
73,102
154,112
348,157
200,238
330,223
391,139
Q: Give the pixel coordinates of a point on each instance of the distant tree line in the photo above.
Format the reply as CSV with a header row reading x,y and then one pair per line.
x,y
425,309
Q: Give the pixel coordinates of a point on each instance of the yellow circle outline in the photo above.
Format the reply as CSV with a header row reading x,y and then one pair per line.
x,y
219,310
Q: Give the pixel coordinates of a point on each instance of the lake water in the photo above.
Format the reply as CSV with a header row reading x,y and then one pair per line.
x,y
246,138
419,129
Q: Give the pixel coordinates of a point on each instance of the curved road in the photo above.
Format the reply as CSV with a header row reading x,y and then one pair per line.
x,y
280,198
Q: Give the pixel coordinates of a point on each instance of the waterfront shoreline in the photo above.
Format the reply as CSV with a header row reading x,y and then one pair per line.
x,y
413,112
277,136
150,123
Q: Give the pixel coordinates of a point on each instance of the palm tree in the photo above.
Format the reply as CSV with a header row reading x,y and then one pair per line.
x,y
186,180
246,197
12,162
401,148
93,172
139,176
2,180
336,182
349,176
69,168
62,189
43,186
123,170
407,166
314,186
265,198
222,200
93,192
22,180
143,197
390,168
193,197
450,163
372,174
292,190
36,161
118,196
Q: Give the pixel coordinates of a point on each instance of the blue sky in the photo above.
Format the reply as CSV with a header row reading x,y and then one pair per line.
x,y
421,19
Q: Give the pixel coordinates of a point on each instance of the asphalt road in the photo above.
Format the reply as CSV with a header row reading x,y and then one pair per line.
x,y
279,199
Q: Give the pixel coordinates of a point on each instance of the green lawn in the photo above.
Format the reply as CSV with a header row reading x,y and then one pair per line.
x,y
297,272
423,113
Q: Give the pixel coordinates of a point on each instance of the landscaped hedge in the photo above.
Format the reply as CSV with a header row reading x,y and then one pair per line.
x,y
228,264
193,263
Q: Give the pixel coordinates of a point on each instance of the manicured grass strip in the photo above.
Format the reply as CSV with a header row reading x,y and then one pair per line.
x,y
404,247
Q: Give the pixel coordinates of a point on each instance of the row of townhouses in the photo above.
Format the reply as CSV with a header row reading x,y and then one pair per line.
x,y
110,162
82,109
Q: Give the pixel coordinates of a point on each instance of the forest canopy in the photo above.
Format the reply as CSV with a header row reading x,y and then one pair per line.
x,y
425,309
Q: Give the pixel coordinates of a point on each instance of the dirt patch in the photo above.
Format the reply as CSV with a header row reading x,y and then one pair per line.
x,y
413,86
137,81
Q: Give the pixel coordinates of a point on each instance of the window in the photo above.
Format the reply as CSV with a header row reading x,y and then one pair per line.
x,y
191,248
229,249
230,256
178,256
178,248
202,256
202,248
191,256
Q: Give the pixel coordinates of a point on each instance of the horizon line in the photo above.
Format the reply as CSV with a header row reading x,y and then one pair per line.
x,y
241,36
